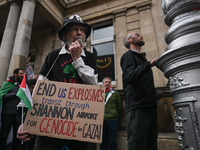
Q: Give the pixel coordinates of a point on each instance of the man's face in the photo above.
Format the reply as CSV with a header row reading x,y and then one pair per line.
x,y
107,83
74,33
19,75
31,88
137,39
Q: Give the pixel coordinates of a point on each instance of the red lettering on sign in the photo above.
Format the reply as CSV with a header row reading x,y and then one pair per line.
x,y
70,93
101,100
94,95
47,126
82,93
75,92
41,125
67,128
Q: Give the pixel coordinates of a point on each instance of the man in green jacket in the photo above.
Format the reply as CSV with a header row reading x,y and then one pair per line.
x,y
113,107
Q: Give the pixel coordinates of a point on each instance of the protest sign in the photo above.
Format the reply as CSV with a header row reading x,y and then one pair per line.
x,y
67,111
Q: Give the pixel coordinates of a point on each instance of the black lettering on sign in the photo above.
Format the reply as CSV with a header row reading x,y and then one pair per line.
x,y
46,89
92,131
87,115
56,111
31,123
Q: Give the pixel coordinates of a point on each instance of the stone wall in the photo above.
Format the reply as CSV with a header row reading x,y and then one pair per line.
x,y
144,17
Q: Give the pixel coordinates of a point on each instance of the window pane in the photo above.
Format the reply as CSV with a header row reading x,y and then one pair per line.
x,y
103,33
104,54
104,49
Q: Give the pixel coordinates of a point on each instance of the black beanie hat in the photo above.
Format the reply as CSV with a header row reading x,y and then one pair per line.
x,y
74,19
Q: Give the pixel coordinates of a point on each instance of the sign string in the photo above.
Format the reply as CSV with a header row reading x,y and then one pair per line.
x,y
50,69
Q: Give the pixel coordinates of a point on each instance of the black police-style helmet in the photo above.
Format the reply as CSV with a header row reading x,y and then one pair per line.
x,y
74,19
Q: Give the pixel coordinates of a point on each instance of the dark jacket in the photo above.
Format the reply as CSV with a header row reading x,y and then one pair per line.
x,y
138,83
61,71
10,101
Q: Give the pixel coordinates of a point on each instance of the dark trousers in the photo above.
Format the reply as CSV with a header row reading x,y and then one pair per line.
x,y
49,143
141,126
29,145
7,122
109,135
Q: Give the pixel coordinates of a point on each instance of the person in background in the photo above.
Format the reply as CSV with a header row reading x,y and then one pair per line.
x,y
9,99
29,69
113,105
30,72
140,95
29,145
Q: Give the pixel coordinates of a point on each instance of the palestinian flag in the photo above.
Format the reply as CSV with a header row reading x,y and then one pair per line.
x,y
5,88
24,94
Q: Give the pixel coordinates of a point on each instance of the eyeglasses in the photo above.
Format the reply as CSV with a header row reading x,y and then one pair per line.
x,y
137,34
134,34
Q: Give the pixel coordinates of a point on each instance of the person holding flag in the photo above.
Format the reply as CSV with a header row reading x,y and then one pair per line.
x,y
25,104
10,100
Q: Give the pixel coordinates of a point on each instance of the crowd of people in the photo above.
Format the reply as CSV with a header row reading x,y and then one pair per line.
x,y
138,86
11,111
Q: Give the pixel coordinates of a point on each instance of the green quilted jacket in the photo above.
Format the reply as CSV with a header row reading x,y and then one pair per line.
x,y
113,106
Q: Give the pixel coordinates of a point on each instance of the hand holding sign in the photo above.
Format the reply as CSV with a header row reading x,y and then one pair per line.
x,y
23,135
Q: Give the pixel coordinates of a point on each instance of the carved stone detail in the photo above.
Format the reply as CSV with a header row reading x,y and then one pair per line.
x,y
144,6
195,122
176,82
71,3
180,129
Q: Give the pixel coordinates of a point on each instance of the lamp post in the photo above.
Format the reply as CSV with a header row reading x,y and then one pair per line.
x,y
181,65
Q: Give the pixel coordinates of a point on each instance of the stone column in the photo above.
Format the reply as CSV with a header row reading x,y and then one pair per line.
x,y
22,40
8,39
120,33
148,32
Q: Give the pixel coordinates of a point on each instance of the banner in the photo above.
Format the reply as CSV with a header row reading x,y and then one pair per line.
x,y
67,111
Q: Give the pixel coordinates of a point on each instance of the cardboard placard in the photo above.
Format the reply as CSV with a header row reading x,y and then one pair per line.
x,y
67,111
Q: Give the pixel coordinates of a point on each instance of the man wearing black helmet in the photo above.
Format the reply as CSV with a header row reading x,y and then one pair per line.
x,y
69,64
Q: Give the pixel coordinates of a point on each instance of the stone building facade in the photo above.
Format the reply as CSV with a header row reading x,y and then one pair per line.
x,y
29,28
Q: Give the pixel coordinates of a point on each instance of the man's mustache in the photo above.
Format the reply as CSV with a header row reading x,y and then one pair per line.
x,y
79,39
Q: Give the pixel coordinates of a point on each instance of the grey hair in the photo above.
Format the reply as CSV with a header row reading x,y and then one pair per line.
x,y
126,43
106,78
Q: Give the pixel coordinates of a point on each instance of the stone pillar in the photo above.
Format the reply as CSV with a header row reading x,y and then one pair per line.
x,y
120,33
22,40
148,32
8,39
180,64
